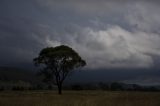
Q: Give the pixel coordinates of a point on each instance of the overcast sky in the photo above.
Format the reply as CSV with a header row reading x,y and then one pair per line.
x,y
108,34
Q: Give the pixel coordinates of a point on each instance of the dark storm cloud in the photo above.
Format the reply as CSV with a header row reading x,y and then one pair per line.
x,y
109,34
19,29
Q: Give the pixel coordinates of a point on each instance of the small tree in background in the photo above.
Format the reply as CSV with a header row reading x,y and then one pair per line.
x,y
57,63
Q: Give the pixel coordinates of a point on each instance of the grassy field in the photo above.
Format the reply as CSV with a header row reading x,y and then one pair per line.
x,y
79,98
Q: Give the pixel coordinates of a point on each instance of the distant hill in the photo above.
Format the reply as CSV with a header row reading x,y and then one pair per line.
x,y
16,74
11,77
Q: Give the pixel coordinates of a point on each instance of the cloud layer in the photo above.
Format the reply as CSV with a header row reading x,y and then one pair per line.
x,y
113,47
107,34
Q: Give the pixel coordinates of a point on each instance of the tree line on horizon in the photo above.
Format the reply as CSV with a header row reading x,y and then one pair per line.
x,y
112,86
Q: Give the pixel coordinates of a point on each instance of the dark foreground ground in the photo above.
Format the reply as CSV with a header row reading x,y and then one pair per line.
x,y
79,98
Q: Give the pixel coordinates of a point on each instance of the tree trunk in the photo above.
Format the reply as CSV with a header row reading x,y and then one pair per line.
x,y
59,89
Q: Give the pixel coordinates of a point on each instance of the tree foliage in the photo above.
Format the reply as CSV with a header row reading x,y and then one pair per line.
x,y
57,63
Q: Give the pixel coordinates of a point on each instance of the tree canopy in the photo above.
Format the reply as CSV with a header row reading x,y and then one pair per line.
x,y
57,63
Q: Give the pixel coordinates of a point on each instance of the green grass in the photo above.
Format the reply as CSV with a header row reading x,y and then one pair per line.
x,y
79,98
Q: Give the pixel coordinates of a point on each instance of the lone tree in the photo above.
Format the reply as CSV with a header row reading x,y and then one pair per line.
x,y
57,63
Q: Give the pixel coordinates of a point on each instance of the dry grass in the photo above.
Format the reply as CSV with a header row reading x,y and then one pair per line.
x,y
79,98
